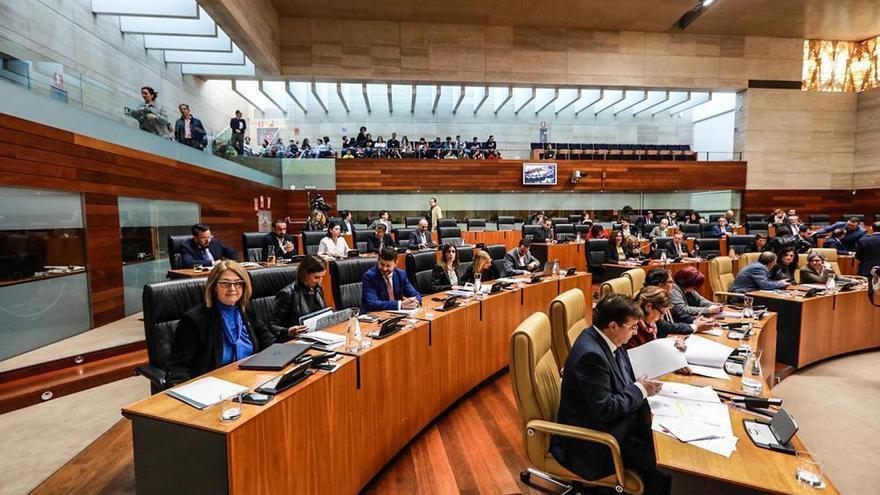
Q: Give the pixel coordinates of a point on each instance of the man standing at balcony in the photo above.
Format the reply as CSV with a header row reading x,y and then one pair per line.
x,y
238,126
436,214
189,130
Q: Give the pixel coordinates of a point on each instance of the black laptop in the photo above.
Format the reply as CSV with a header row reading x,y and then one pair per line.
x,y
275,357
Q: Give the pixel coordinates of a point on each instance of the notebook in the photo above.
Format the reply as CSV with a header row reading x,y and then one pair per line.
x,y
275,357
206,392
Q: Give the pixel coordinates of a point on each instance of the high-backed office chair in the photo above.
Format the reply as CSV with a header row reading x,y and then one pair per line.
x,y
574,219
568,312
466,257
497,252
713,218
418,269
877,217
721,278
619,285
536,383
596,255
476,224
820,219
174,243
447,222
706,230
691,230
411,221
754,228
164,304
558,220
505,223
252,245
346,276
311,239
755,217
401,237
266,284
747,259
636,278
564,231
709,247
582,230
450,235
830,255
360,239
740,243
529,231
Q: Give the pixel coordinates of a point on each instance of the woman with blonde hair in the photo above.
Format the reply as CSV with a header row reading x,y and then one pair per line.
x,y
653,302
217,331
483,265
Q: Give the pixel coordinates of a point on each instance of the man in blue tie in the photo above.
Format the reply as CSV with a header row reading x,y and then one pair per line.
x,y
385,287
203,249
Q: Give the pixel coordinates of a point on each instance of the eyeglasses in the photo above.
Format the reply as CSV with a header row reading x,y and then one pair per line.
x,y
228,284
630,328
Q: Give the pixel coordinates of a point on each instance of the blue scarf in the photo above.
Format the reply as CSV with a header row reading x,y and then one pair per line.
x,y
236,340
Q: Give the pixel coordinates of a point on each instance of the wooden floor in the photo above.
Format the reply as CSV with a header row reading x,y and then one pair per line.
x,y
476,447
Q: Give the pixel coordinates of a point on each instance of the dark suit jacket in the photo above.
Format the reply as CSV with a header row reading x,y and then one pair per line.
x,y
834,243
611,254
868,253
490,274
192,255
672,253
597,394
373,243
270,241
543,235
345,228
374,295
196,130
292,302
414,240
717,231
234,124
198,343
440,279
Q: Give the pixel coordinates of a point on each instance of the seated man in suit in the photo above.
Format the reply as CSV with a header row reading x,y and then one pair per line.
x,y
384,218
519,260
203,249
385,287
671,321
757,276
545,233
721,229
381,239
852,232
626,228
421,237
600,392
283,245
347,224
677,247
868,251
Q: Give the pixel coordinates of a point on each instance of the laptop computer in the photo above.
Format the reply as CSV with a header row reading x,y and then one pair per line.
x,y
275,357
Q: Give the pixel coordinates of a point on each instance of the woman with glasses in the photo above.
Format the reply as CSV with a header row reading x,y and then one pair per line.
x,y
305,295
217,331
815,272
653,302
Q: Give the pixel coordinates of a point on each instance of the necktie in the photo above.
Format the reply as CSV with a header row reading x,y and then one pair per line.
x,y
389,286
208,256
624,369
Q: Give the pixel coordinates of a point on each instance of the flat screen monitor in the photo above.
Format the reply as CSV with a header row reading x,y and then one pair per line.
x,y
539,174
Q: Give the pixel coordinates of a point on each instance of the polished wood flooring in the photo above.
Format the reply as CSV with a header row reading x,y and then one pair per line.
x,y
475,447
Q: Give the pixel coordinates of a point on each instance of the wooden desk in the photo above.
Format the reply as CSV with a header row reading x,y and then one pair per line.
x,y
569,254
488,237
335,431
182,273
614,270
821,327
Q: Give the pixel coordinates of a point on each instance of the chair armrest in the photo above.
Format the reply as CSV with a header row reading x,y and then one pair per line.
x,y
586,435
157,376
725,294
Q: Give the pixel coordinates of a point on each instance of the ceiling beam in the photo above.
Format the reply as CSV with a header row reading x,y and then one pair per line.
x,y
696,102
367,98
555,97
293,97
664,100
219,43
644,97
412,106
239,93
674,104
201,26
246,70
318,97
154,8
531,98
341,97
591,103
482,100
390,100
235,57
460,99
254,26
269,97
580,95
436,99
504,102
615,102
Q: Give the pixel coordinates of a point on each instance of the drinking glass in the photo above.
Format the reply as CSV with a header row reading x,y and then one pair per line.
x,y
270,258
753,375
808,471
198,268
230,408
354,337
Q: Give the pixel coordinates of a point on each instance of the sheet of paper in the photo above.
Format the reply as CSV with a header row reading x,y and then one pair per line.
x,y
689,392
722,446
323,337
717,332
705,352
206,392
718,373
689,431
405,312
706,412
656,358
731,314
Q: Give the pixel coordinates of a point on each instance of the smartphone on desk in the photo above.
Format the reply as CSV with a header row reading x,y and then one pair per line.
x,y
256,398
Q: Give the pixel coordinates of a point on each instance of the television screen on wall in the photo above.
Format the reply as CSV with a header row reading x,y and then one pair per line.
x,y
539,174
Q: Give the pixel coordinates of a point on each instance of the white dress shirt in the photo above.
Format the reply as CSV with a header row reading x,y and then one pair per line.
x,y
338,249
613,350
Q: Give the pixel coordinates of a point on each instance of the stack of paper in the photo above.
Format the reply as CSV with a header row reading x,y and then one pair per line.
x,y
324,338
206,392
705,352
656,358
693,415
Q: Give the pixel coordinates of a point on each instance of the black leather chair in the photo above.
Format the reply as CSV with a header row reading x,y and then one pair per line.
x,y
756,228
691,230
564,231
447,222
755,217
713,218
311,239
418,269
506,223
174,243
266,284
596,256
582,229
346,276
450,235
558,220
465,257
496,251
574,219
401,237
820,219
360,239
740,243
252,245
709,247
529,231
706,229
476,224
411,221
877,217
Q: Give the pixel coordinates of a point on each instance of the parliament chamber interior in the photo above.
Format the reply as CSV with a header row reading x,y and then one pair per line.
x,y
396,247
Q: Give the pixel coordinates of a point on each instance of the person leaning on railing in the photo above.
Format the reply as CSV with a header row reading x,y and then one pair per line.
x,y
151,117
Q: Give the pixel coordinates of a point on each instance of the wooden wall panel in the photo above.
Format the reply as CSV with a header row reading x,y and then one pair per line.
x,y
506,175
806,201
104,264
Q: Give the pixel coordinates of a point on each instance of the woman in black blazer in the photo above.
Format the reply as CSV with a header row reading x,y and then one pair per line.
x,y
305,295
482,264
614,252
446,272
216,332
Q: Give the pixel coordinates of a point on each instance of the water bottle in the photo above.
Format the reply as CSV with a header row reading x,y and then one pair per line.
x,y
556,267
478,285
829,283
354,337
663,256
753,375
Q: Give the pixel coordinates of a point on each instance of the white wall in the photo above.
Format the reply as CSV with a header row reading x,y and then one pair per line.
x,y
715,136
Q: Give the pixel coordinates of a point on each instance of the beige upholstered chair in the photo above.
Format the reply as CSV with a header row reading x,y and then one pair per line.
x,y
636,277
536,383
747,259
830,255
618,285
721,277
568,313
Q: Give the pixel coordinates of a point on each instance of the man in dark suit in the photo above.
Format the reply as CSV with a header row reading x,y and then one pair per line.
x,y
852,232
385,287
757,276
519,260
347,225
722,229
600,392
677,247
868,251
283,245
189,130
421,237
545,232
238,126
203,249
376,243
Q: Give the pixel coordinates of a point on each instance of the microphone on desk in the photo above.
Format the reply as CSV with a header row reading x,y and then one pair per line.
x,y
753,402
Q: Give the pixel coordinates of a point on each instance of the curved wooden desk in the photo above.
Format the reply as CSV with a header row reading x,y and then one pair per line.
x,y
335,431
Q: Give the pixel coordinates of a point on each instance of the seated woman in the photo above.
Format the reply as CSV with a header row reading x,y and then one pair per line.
x,y
661,230
333,246
815,272
694,218
317,221
614,252
217,332
685,298
305,295
482,264
597,232
653,302
446,272
632,248
786,265
760,244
